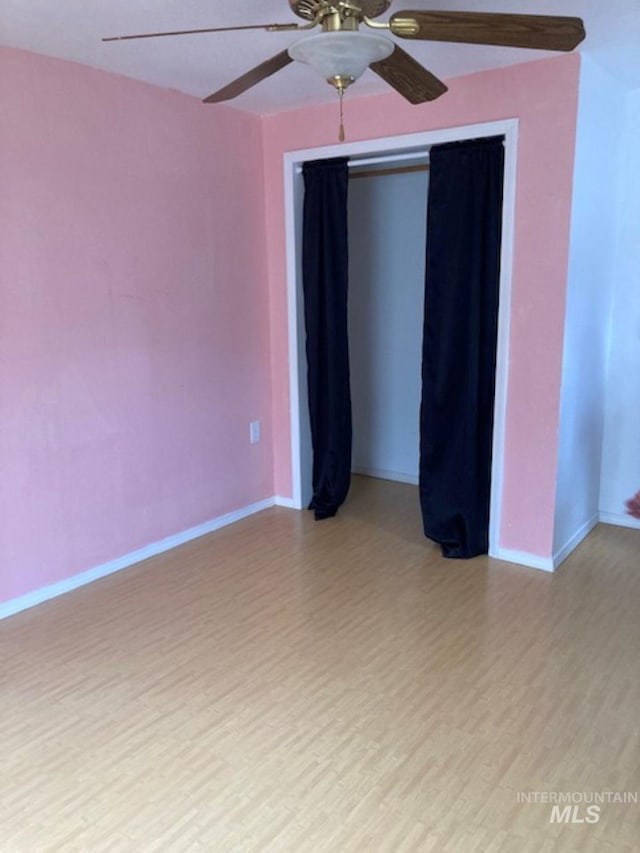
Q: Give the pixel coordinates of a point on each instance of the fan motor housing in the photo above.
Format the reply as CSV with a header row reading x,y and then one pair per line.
x,y
309,9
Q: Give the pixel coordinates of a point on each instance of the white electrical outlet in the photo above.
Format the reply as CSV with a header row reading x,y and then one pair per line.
x,y
254,432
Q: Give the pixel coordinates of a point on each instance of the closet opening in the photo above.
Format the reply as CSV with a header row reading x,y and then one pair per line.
x,y
387,214
402,163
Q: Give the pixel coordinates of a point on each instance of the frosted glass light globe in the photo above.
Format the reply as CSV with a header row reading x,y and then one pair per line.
x,y
342,55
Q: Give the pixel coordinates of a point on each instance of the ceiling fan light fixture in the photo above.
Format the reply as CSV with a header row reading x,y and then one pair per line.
x,y
341,57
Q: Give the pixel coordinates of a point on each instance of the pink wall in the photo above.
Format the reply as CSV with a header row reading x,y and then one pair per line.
x,y
134,340
136,326
543,95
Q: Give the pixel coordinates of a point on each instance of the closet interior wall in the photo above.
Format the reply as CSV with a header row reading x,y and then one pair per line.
x,y
387,245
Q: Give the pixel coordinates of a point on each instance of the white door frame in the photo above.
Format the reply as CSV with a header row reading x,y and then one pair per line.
x,y
294,191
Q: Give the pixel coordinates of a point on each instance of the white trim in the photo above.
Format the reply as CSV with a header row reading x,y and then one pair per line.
x,y
383,474
504,331
562,553
523,558
291,190
31,599
285,502
402,145
619,519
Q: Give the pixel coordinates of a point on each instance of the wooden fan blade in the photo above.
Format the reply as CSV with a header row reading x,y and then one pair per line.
x,y
408,77
268,27
541,32
260,72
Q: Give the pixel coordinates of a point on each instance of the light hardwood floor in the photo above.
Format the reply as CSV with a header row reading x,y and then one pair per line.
x,y
288,685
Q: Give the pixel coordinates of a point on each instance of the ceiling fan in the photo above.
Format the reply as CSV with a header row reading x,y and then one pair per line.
x,y
341,52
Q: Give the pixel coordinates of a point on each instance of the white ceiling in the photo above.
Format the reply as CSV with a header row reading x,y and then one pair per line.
x,y
200,64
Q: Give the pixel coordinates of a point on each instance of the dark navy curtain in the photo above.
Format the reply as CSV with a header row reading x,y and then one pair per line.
x,y
325,265
459,347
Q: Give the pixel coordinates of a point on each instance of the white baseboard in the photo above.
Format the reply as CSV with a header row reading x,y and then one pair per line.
x,y
383,474
285,502
620,519
523,558
562,553
31,599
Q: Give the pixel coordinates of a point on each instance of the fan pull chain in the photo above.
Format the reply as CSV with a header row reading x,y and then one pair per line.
x,y
341,129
